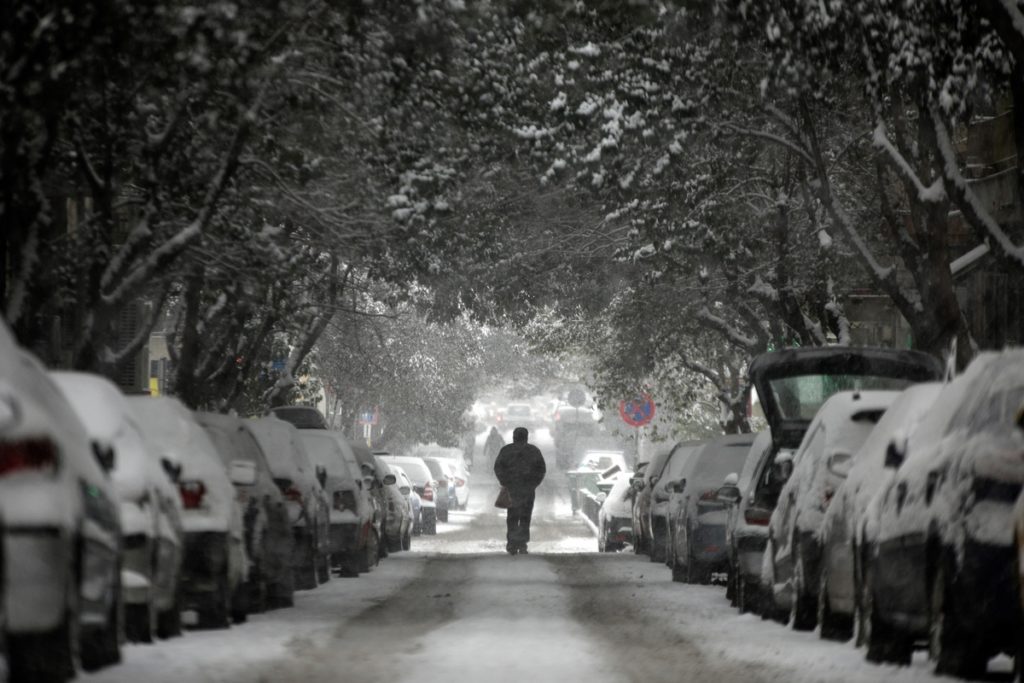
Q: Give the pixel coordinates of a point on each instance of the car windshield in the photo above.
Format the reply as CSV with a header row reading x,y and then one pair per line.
x,y
800,396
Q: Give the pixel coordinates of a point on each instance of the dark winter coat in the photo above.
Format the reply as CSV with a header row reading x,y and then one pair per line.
x,y
520,467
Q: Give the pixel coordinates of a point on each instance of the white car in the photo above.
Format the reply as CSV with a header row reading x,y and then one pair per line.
x,y
820,464
615,517
307,502
150,505
351,518
415,505
397,528
423,484
215,565
62,530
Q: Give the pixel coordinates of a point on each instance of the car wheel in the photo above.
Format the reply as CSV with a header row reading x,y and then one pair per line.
x,y
370,556
239,605
101,646
429,525
217,611
802,611
323,568
884,643
442,515
833,626
52,657
168,622
746,595
256,590
140,622
951,646
407,540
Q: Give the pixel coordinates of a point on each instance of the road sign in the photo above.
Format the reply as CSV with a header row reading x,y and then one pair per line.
x,y
637,411
370,418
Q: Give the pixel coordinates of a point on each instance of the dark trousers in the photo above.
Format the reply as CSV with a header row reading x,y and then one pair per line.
x,y
520,513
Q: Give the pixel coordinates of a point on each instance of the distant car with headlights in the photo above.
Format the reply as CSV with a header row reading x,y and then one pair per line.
x,y
62,529
150,506
215,565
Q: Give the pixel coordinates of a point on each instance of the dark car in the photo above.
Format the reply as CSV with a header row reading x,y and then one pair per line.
x,y
940,565
303,417
792,384
697,516
647,476
268,529
659,514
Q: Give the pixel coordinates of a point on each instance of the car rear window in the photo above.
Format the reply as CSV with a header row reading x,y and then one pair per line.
x,y
800,396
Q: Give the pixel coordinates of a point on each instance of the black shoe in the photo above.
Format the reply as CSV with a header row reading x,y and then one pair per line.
x,y
510,549
522,550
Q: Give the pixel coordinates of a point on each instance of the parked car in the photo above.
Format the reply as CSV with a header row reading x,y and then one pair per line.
x,y
647,476
941,562
373,483
615,521
841,530
820,464
307,502
405,485
791,385
746,533
398,520
351,518
444,490
302,417
150,506
697,515
519,415
268,529
660,516
62,533
215,564
423,485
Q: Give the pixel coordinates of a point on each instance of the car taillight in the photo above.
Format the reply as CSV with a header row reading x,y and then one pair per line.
x,y
28,454
757,516
460,482
192,493
344,500
711,495
293,494
428,493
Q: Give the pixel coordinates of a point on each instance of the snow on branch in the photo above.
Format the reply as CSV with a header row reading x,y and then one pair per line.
x,y
973,210
727,330
773,138
933,194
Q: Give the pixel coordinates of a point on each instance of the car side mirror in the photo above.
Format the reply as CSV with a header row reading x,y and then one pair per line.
x,y
637,483
602,497
729,493
894,456
104,455
172,469
390,479
839,463
731,479
321,475
242,472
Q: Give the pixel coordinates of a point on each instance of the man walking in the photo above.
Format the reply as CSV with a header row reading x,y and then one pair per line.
x,y
520,468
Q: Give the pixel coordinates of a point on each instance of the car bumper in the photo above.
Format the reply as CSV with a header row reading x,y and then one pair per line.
x,y
136,569
38,562
750,555
205,564
344,538
708,544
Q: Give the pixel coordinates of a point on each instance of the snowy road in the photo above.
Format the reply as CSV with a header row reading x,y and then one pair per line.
x,y
458,609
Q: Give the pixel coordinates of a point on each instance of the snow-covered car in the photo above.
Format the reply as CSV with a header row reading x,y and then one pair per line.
x,y
62,528
444,490
820,464
647,476
353,542
615,517
373,477
307,503
424,486
660,512
303,417
268,529
404,484
838,586
792,384
697,516
746,534
941,563
150,506
215,563
398,519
